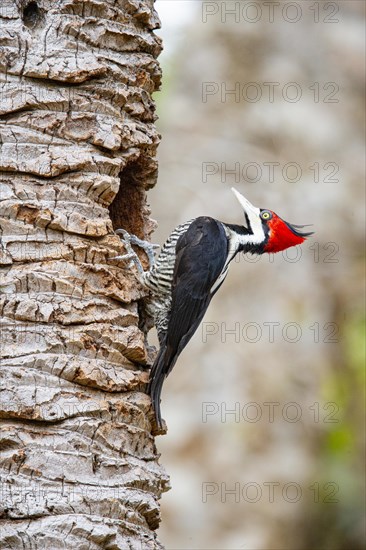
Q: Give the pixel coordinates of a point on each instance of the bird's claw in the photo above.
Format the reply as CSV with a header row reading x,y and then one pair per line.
x,y
129,240
125,257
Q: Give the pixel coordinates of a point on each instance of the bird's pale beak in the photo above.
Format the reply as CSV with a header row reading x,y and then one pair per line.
x,y
252,213
247,206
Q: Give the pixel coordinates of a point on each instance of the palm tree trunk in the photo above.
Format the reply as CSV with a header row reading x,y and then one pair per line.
x,y
78,142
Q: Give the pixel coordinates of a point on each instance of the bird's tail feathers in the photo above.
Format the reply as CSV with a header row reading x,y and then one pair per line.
x,y
159,371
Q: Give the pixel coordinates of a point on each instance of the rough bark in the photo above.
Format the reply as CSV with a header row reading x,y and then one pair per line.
x,y
78,462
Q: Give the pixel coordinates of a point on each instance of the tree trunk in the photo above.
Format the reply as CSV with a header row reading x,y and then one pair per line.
x,y
78,461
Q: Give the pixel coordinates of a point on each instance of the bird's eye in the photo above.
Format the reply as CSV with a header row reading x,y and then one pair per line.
x,y
266,215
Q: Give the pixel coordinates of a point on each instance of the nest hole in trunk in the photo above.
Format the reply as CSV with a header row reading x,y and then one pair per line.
x,y
128,206
32,15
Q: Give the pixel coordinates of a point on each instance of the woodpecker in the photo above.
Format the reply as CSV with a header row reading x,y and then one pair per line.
x,y
190,269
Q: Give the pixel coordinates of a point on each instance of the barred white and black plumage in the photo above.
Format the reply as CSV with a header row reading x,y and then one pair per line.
x,y
182,282
190,269
159,281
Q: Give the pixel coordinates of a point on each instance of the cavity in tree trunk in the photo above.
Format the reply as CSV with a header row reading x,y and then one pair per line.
x,y
78,142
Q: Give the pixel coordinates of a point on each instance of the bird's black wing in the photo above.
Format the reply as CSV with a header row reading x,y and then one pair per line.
x,y
201,254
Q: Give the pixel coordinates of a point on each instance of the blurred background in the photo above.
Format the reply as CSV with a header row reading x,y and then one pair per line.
x,y
265,407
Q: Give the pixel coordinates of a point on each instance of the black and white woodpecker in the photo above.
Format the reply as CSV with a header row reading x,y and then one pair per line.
x,y
190,269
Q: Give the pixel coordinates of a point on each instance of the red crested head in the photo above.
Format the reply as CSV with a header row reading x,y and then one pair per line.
x,y
264,231
281,234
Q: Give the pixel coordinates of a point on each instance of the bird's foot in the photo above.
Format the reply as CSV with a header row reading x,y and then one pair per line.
x,y
134,260
128,240
149,248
